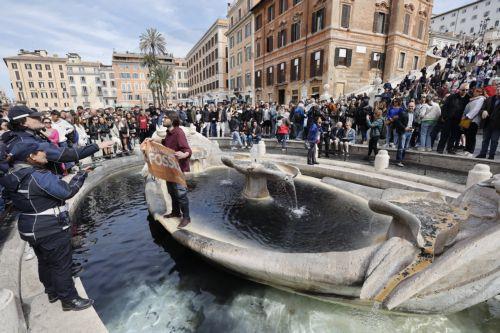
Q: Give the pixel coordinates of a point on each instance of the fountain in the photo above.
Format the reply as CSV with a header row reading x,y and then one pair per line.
x,y
257,175
408,251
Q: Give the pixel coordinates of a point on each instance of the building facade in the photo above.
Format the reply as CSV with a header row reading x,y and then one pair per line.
x,y
180,82
470,20
207,66
132,77
39,80
84,79
309,48
240,37
108,85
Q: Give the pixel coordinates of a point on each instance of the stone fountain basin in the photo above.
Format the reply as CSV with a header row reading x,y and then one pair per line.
x,y
305,260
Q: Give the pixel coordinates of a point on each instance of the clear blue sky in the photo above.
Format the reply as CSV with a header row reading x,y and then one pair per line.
x,y
93,28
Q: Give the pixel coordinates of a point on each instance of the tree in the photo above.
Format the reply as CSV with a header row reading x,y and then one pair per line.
x,y
161,79
152,44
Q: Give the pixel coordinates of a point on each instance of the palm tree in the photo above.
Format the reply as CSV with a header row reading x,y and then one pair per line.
x,y
152,43
151,62
161,79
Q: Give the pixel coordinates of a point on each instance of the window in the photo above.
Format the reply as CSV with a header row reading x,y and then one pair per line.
x,y
18,77
71,80
317,63
231,62
295,69
31,84
248,80
283,6
401,60
62,75
60,67
82,79
282,38
415,63
239,59
248,30
30,75
40,75
41,84
51,84
231,42
346,15
343,57
27,66
38,67
270,13
270,76
296,2
14,65
420,34
258,79
406,24
295,32
248,53
318,20
257,48
239,37
281,72
50,75
269,44
474,17
486,13
47,67
472,30
258,22
462,20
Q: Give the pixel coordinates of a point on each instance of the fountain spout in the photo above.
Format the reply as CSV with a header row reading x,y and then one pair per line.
x,y
258,173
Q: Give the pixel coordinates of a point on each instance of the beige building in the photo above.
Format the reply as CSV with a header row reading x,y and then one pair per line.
x,y
108,85
131,77
207,65
84,79
240,40
180,82
39,80
306,48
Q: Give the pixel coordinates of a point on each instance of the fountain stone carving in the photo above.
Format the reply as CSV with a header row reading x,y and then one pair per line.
x,y
257,175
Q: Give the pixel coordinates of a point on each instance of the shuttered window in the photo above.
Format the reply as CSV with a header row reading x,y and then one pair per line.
x,y
406,24
317,63
377,60
343,57
381,23
295,69
270,76
346,16
281,69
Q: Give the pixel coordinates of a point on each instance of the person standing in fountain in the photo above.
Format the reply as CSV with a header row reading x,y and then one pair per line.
x,y
313,137
177,141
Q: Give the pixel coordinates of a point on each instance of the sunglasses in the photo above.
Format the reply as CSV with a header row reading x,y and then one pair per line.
x,y
47,123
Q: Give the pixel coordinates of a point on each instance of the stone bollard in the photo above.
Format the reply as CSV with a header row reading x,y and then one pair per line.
x,y
261,148
382,160
479,173
9,316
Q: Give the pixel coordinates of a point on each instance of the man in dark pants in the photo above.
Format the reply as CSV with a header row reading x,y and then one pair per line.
x,y
491,133
326,127
40,197
313,137
451,114
177,141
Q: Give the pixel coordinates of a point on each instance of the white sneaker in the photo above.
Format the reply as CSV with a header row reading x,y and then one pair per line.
x,y
428,149
391,145
29,253
234,148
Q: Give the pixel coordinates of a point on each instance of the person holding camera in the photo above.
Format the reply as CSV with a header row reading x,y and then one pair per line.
x,y
40,197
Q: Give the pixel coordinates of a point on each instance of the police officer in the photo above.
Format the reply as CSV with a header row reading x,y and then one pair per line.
x,y
39,196
25,125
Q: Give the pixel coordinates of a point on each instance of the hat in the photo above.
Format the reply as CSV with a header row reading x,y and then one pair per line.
x,y
22,111
21,151
55,113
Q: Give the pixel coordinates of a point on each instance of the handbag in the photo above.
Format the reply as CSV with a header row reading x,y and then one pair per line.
x,y
465,123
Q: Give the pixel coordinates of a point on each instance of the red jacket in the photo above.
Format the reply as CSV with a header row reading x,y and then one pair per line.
x,y
143,122
176,140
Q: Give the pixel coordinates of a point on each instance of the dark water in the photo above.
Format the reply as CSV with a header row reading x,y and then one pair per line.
x,y
325,222
143,281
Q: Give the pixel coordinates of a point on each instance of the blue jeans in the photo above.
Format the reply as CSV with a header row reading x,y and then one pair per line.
x,y
180,201
298,130
403,143
213,130
236,139
490,138
425,135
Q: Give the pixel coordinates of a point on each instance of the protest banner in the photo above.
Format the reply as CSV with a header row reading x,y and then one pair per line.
x,y
162,162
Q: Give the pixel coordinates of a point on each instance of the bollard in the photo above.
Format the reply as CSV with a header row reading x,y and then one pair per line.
x,y
261,148
382,160
479,173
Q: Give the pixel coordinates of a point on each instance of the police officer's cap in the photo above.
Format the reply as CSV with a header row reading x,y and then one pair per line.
x,y
21,151
22,111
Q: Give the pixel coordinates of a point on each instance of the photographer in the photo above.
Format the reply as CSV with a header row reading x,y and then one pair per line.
x,y
44,223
